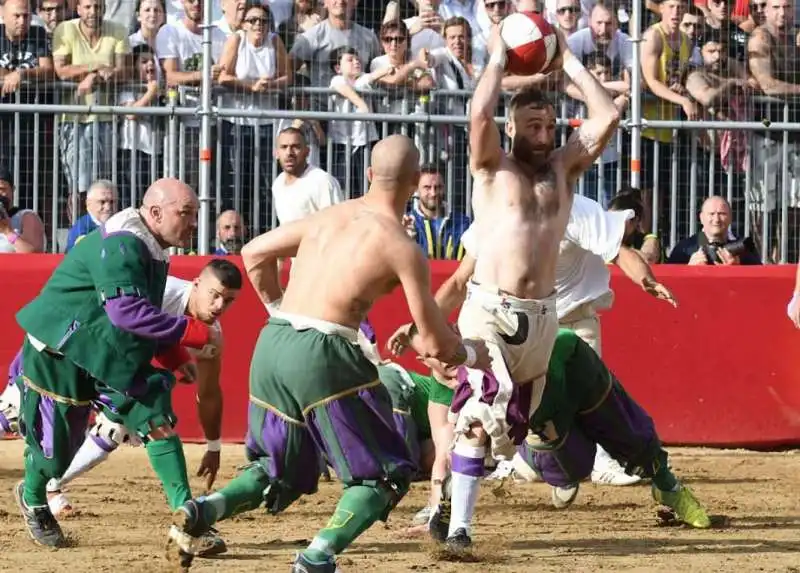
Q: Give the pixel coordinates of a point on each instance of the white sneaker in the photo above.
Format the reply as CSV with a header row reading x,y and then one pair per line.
x,y
610,472
564,496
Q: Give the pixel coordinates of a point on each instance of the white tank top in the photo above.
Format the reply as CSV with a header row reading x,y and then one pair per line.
x,y
253,63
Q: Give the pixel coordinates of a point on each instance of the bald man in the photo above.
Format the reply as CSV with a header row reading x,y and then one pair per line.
x,y
230,233
312,388
91,335
101,203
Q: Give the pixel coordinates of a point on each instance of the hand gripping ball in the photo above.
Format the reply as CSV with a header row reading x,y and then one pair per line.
x,y
531,43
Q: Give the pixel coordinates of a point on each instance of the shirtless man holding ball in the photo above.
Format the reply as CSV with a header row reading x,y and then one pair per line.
x,y
522,201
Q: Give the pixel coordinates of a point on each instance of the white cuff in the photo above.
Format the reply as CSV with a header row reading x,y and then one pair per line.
x,y
214,445
472,356
273,306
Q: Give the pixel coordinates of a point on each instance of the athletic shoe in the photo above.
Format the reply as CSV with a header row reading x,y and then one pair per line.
x,y
303,565
563,497
608,471
685,506
189,535
459,541
440,520
59,505
215,544
42,526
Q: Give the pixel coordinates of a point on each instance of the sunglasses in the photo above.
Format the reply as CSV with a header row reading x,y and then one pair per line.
x,y
394,39
497,4
568,10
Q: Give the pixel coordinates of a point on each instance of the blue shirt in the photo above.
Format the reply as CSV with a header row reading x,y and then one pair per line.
x,y
440,238
80,229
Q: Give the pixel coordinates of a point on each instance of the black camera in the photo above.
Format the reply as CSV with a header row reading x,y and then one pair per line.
x,y
735,248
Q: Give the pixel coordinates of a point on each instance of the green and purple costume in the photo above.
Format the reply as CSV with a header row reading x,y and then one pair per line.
x,y
91,334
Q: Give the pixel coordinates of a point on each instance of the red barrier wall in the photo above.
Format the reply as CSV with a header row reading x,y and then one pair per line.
x,y
716,371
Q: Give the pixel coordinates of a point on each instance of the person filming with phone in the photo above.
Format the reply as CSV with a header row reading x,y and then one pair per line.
x,y
715,244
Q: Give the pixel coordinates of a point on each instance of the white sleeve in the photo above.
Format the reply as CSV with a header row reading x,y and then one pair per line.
x,y
126,97
469,241
363,81
335,194
595,230
166,47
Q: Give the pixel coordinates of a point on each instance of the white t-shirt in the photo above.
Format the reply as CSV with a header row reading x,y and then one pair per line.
x,y
362,132
176,300
619,51
175,41
310,193
593,238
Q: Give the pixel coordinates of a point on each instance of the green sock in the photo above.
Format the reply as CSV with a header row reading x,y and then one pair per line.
x,y
34,492
359,507
244,493
663,478
166,457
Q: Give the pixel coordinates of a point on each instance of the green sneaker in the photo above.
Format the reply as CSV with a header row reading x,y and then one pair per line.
x,y
685,506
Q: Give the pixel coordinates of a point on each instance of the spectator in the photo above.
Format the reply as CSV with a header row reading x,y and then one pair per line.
x,y
601,187
21,230
233,13
35,20
305,15
351,137
255,68
715,85
301,189
230,233
733,37
552,14
714,244
311,128
666,53
755,16
179,48
52,13
101,203
693,24
437,231
24,59
95,54
566,16
338,30
602,35
647,244
151,16
410,74
453,69
140,154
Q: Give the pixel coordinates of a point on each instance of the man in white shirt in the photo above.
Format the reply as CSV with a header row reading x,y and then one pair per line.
x,y
301,189
179,48
205,299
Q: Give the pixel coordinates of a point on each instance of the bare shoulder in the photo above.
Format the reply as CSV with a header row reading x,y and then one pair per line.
x,y
651,40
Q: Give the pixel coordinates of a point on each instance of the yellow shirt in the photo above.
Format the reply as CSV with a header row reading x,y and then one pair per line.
x,y
69,42
671,66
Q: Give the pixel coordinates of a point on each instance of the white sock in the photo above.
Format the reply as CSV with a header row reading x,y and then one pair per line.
x,y
89,455
466,485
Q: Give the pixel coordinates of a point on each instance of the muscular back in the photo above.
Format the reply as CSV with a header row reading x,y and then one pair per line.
x,y
340,268
520,221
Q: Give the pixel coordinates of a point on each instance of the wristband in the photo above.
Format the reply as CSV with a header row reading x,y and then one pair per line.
x,y
12,237
213,445
498,58
274,306
572,67
472,356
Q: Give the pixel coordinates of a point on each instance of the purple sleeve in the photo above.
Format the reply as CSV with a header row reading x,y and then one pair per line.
x,y
15,369
368,331
138,316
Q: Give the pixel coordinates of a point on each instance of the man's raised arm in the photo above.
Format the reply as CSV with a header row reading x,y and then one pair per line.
x,y
587,143
260,257
484,136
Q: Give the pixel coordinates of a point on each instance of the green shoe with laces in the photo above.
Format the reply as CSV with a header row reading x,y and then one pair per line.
x,y
684,505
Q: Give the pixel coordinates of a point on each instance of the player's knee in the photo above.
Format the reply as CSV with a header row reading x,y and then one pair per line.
x,y
112,434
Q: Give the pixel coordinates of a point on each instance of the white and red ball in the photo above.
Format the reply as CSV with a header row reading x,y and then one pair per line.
x,y
531,41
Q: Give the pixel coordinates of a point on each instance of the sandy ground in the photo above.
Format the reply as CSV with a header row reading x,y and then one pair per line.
x,y
123,519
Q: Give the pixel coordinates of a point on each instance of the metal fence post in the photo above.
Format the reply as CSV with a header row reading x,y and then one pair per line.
x,y
636,93
205,134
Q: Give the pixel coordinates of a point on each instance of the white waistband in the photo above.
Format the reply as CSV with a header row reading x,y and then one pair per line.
x,y
300,322
491,296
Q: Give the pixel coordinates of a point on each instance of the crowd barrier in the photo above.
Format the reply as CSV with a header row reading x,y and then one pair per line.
x,y
716,371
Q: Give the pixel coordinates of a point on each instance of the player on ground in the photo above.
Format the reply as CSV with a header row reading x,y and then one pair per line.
x,y
522,203
584,405
205,298
91,335
311,387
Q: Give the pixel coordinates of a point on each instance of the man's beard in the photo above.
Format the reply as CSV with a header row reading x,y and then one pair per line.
x,y
233,245
535,155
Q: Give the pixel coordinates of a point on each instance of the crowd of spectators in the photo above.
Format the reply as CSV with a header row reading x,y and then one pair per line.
x,y
710,60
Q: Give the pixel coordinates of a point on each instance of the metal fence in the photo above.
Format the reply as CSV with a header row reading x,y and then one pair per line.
x,y
194,135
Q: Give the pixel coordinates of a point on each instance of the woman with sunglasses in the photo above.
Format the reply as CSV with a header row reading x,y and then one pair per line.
x,y
255,69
